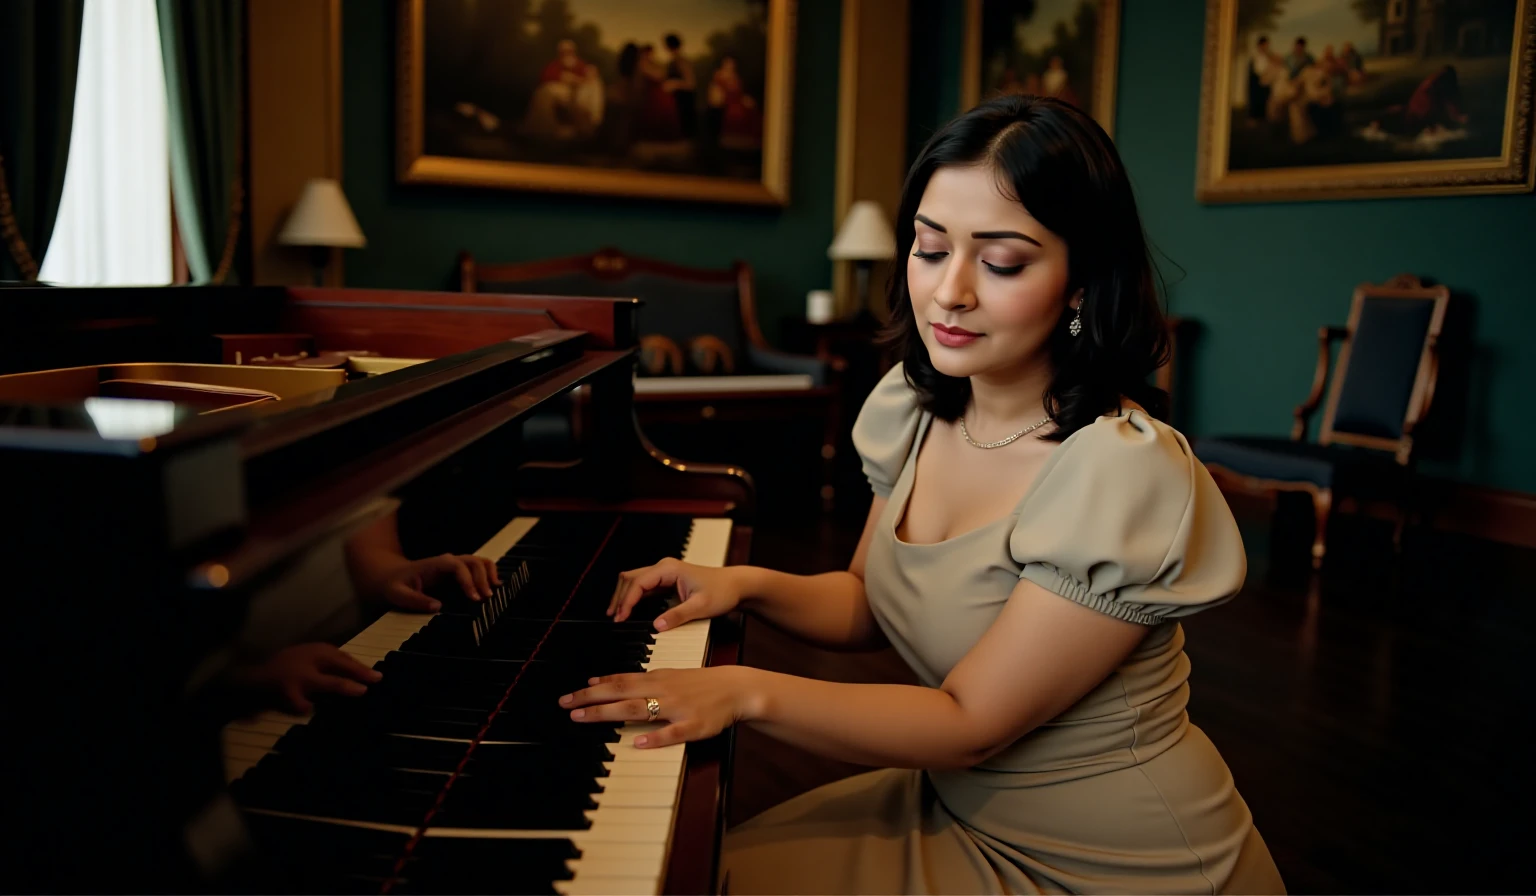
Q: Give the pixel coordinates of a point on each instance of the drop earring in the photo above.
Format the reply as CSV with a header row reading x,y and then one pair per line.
x,y
1076,326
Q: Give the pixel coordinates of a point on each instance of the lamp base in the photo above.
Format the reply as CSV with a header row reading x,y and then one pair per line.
x,y
319,258
861,271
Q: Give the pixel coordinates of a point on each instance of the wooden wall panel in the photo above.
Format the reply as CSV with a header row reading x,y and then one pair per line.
x,y
871,123
294,63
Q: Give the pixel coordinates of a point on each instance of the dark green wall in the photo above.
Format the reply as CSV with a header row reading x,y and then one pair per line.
x,y
415,232
1261,278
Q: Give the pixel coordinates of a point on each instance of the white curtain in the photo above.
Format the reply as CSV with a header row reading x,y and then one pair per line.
x,y
114,224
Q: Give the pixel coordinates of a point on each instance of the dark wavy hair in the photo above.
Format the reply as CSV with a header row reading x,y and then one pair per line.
x,y
1064,169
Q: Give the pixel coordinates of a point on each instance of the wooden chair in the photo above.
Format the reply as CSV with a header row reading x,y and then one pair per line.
x,y
703,357
1382,386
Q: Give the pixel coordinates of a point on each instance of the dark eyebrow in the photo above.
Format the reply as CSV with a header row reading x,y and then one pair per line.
x,y
931,223
1004,235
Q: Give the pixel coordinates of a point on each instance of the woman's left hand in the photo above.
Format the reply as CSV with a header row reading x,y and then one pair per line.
x,y
698,703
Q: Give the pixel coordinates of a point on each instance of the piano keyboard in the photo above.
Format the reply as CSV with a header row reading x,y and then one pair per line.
x,y
617,843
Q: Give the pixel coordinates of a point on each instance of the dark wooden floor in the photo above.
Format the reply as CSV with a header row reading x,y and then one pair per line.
x,y
1378,720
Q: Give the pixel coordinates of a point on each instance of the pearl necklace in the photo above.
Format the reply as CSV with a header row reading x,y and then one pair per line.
x,y
1001,442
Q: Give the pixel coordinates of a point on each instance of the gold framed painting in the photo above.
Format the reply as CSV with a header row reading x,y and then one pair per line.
x,y
610,97
1063,48
1336,100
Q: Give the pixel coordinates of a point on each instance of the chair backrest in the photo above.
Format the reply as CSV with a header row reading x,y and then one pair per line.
x,y
1384,379
680,303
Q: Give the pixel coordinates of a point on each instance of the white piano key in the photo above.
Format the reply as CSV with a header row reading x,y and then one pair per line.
x,y
502,541
617,859
635,799
262,724
709,541
253,739
637,784
582,885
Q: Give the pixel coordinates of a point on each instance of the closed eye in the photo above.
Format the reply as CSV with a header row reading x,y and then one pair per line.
x,y
1004,271
928,256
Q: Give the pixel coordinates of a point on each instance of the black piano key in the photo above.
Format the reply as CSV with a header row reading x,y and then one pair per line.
x,y
305,856
436,755
515,639
365,749
549,729
297,855
483,865
537,804
386,796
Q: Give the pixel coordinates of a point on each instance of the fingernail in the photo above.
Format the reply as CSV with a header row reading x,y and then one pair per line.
x,y
580,713
641,740
375,675
566,699
661,625
592,681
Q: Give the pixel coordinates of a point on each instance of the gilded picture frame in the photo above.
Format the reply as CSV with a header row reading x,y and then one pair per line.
x,y
986,57
746,139
1375,100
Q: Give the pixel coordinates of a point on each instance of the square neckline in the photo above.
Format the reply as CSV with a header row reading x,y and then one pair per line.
x,y
909,474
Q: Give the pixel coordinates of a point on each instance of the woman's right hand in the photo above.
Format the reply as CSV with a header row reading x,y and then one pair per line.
x,y
706,591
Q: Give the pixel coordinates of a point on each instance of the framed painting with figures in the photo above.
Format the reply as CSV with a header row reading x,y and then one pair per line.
x,y
684,100
1068,49
1331,99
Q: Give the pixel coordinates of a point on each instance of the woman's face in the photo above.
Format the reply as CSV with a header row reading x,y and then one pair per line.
x,y
988,282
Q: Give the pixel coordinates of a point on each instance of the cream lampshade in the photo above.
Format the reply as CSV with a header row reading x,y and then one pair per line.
x,y
865,238
322,220
866,235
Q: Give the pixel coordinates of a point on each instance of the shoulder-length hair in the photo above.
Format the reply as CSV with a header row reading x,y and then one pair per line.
x,y
1064,169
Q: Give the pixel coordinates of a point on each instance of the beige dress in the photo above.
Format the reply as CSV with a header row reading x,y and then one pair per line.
x,y
1120,793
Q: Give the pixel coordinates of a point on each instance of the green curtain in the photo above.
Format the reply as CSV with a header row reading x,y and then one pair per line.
x,y
39,58
202,42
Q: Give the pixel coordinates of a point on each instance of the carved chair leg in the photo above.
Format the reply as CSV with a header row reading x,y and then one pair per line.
x,y
1322,508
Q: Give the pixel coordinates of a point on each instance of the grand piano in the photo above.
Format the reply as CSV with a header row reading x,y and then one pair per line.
x,y
184,470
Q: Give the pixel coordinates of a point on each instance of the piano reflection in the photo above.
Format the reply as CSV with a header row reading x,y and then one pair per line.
x,y
178,516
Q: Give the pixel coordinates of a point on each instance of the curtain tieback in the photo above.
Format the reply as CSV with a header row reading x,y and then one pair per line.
x,y
11,231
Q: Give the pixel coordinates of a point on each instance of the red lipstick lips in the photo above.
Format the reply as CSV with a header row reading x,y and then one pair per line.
x,y
953,337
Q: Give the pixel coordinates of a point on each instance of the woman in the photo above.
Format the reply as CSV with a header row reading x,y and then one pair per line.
x,y
1036,534
657,120
741,122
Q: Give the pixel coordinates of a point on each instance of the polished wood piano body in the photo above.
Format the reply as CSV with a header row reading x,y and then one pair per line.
x,y
154,542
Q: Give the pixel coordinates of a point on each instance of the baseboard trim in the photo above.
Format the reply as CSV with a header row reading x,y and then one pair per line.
x,y
1494,514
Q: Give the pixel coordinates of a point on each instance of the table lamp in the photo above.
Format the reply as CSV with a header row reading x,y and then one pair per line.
x,y
322,220
865,238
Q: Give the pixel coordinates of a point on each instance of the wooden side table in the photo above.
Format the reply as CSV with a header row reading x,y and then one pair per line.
x,y
853,340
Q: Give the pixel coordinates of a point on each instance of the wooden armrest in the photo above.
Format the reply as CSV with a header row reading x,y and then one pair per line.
x,y
1303,412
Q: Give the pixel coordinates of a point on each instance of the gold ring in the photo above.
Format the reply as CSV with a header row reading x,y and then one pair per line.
x,y
652,709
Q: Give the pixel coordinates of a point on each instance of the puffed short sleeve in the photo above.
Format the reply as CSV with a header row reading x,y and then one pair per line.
x,y
1125,520
883,434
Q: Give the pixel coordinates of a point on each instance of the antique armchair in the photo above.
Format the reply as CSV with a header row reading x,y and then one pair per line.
x,y
1382,385
703,358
